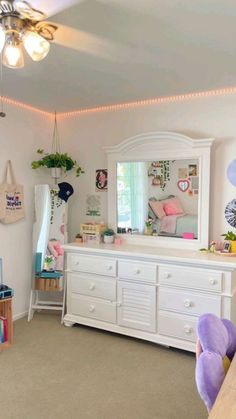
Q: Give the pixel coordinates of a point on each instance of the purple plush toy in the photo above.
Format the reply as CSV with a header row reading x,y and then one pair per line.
x,y
216,347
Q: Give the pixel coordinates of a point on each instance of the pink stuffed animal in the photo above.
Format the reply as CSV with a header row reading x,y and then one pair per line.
x,y
55,249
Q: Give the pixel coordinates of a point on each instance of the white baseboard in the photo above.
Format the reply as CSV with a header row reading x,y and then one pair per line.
x,y
19,316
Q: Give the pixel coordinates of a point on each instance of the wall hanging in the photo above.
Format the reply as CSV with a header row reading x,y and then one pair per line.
x,y
101,180
183,185
231,172
230,213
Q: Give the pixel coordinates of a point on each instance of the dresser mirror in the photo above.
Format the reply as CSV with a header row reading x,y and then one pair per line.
x,y
159,190
158,197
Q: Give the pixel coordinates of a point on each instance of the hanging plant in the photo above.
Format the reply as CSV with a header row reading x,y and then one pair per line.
x,y
56,159
160,170
165,172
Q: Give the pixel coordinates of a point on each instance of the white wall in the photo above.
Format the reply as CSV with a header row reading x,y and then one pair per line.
x,y
21,134
198,118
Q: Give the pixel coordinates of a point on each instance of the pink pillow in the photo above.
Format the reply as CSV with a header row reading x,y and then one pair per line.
x,y
172,206
59,249
157,208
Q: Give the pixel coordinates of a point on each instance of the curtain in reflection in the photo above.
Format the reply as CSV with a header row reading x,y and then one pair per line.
x,y
138,195
132,190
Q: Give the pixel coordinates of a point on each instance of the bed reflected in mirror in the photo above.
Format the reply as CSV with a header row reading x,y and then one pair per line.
x,y
159,197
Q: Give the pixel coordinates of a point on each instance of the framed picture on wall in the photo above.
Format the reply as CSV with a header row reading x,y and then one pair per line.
x,y
195,182
101,180
192,170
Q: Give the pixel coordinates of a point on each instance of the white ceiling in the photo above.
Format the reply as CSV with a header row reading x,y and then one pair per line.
x,y
126,50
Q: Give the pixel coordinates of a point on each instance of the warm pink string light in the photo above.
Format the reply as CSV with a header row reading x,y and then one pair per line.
x,y
128,105
148,102
22,105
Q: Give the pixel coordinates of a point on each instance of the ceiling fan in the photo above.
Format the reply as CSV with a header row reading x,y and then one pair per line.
x,y
23,25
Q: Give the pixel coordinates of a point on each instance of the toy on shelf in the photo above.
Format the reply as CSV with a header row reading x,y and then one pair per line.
x,y
92,232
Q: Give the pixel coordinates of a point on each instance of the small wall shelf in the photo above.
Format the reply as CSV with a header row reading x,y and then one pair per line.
x,y
6,311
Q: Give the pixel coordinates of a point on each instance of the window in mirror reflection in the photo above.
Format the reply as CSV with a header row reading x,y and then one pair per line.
x,y
164,192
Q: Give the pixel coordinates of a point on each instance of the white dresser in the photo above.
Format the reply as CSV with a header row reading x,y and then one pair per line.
x,y
146,292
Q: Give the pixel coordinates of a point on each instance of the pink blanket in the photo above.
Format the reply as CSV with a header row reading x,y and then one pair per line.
x,y
168,223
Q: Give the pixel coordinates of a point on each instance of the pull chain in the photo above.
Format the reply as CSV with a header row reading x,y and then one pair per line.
x,y
2,113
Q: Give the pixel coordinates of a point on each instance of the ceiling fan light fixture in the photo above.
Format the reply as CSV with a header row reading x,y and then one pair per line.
x,y
2,38
36,46
12,55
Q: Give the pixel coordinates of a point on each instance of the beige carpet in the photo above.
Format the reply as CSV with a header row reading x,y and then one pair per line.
x,y
54,372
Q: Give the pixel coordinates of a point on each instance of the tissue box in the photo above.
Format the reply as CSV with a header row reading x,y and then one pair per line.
x,y
188,236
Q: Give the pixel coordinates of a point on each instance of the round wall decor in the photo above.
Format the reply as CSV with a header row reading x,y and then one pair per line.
x,y
231,172
230,213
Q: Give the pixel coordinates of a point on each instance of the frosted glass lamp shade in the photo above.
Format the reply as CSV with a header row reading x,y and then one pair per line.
x,y
36,46
12,56
2,38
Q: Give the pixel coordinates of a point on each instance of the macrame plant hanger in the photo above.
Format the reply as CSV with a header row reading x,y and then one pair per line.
x,y
56,171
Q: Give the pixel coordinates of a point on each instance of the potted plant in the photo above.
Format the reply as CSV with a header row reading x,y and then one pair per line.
x,y
49,263
108,235
231,237
79,238
148,226
56,162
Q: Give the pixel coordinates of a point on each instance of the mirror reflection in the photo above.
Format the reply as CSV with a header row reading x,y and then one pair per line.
x,y
158,198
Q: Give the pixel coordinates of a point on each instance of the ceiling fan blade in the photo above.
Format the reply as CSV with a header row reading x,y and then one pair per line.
x,y
81,41
50,7
97,46
25,10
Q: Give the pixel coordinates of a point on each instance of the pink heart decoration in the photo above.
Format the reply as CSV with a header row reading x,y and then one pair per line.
x,y
183,185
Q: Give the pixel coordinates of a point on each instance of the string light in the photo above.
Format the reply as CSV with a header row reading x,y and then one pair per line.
x,y
127,105
23,105
149,102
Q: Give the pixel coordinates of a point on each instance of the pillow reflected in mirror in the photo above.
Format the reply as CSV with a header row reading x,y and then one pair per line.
x,y
157,208
172,206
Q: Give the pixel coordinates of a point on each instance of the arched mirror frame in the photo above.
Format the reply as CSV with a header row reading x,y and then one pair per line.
x,y
163,146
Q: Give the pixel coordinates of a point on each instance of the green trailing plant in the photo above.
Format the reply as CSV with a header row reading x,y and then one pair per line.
x,y
61,160
109,232
230,235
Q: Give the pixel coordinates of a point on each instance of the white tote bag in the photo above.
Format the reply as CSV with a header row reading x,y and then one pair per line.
x,y
11,198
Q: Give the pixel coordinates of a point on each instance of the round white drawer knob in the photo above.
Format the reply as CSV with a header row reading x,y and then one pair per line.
x,y
109,268
77,263
212,281
91,308
187,329
187,303
166,275
137,271
92,287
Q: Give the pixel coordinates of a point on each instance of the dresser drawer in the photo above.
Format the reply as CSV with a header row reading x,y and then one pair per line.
x,y
175,325
90,285
189,302
135,270
92,264
190,277
92,308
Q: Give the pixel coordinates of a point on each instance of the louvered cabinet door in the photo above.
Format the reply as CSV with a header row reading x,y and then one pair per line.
x,y
137,306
